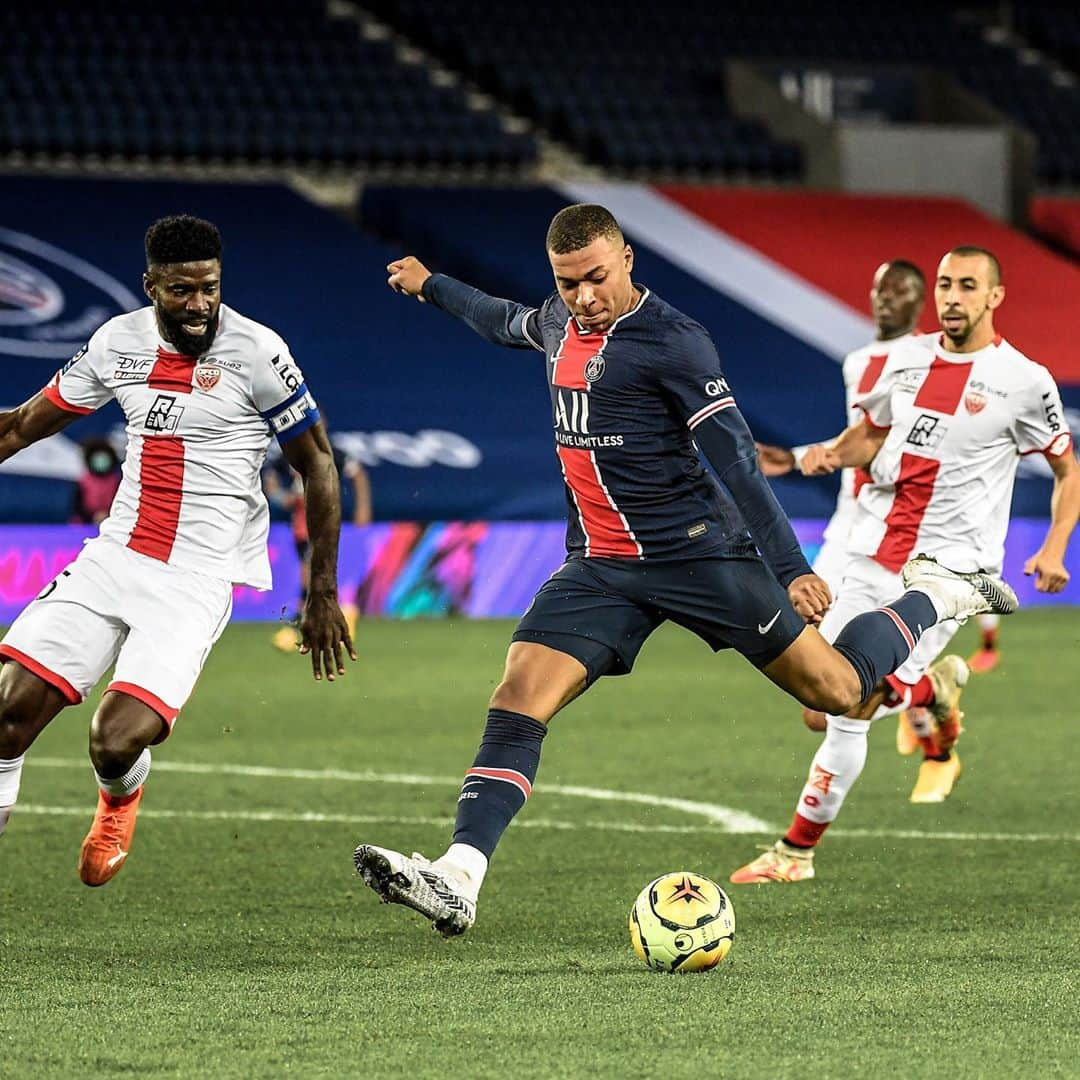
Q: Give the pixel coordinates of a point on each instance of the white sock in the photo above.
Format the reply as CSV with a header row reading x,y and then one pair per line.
x,y
467,860
988,621
835,768
10,776
131,781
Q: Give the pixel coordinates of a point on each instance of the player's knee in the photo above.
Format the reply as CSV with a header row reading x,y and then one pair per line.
x,y
814,719
117,738
833,691
517,693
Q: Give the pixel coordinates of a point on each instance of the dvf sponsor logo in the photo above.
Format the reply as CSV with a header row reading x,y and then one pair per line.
x,y
51,301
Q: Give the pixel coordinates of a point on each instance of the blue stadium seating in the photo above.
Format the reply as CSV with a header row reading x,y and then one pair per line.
x,y
641,87
280,83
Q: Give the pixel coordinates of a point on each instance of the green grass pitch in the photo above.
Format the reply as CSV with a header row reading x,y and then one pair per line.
x,y
237,942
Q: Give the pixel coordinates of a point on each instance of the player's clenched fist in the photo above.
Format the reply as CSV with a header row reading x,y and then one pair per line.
x,y
1049,570
407,276
810,597
819,460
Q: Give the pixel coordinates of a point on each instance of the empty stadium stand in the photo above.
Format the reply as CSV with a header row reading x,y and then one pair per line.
x,y
269,83
642,87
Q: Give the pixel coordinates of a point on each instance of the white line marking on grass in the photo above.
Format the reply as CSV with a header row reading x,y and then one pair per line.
x,y
724,817
313,817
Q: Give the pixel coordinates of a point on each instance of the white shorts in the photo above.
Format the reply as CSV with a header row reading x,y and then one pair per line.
x,y
831,563
867,585
155,622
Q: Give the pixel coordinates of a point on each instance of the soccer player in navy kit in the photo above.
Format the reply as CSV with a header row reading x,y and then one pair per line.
x,y
651,537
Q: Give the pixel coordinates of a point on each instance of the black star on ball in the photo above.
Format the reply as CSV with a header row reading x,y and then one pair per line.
x,y
688,890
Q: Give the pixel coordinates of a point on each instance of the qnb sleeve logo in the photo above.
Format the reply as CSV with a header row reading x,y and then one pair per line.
x,y
51,301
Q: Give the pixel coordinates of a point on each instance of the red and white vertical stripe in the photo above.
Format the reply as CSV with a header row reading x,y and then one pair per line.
x,y
161,467
606,529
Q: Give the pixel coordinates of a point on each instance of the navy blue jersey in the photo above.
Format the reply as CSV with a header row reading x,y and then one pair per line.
x,y
624,406
627,406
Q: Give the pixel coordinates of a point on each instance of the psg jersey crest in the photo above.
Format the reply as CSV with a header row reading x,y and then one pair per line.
x,y
594,369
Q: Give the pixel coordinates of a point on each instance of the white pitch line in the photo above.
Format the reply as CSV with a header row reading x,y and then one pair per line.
x,y
725,817
314,817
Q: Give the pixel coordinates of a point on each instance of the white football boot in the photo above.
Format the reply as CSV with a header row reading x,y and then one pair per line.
x,y
447,899
956,595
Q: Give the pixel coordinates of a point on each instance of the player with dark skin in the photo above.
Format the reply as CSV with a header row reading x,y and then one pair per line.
x,y
897,296
595,283
896,302
186,299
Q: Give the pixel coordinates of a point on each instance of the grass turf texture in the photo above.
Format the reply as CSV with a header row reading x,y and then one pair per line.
x,y
239,948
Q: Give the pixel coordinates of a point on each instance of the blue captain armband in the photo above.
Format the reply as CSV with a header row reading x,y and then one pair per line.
x,y
293,416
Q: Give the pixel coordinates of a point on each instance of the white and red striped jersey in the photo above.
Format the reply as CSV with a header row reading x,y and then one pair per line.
x,y
197,434
862,368
958,423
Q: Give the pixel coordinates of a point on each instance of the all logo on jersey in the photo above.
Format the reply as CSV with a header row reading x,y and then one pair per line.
x,y
926,432
974,402
164,414
594,369
207,377
572,411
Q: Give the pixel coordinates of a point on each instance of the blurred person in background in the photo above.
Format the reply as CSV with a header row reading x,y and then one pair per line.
x,y
98,484
284,490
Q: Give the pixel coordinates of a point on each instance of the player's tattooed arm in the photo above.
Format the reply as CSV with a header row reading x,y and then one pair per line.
x,y
323,628
854,448
502,322
32,421
1048,563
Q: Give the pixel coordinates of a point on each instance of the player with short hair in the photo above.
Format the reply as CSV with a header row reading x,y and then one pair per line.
x,y
203,388
945,425
636,387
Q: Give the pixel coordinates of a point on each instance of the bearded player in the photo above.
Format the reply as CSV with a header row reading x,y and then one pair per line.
x,y
203,389
897,296
636,387
945,425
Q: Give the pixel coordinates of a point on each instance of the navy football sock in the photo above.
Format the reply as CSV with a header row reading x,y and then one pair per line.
x,y
501,778
878,642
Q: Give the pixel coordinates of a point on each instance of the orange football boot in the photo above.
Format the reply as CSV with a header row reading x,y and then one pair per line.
x,y
106,847
984,659
907,742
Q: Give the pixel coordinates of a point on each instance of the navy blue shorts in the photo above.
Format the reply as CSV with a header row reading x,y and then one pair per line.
x,y
600,611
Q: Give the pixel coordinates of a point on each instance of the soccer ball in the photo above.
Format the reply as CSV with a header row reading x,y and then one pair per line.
x,y
682,922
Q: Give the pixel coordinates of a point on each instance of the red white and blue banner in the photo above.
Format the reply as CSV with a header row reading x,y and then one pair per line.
x,y
449,427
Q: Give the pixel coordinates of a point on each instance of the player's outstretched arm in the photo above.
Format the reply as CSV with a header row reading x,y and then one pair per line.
x,y
854,448
1048,563
502,322
32,421
323,627
775,460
